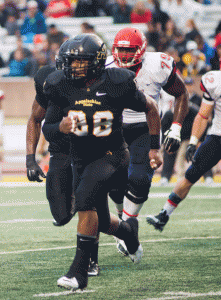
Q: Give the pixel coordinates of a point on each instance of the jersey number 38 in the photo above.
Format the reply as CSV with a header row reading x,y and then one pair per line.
x,y
102,123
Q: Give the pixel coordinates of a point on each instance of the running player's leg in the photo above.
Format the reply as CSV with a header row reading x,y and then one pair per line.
x,y
206,157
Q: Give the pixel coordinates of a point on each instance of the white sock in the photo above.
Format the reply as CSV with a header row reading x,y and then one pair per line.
x,y
130,209
119,208
169,208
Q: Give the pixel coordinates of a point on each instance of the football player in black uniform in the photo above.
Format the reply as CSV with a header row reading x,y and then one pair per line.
x,y
86,104
59,175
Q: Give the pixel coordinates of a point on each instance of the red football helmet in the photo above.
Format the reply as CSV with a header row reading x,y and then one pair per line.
x,y
129,47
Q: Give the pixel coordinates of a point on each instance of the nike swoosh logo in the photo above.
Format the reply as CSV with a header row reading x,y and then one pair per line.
x,y
100,94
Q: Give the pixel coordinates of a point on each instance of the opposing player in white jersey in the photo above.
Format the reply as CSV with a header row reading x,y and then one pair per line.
x,y
206,156
154,70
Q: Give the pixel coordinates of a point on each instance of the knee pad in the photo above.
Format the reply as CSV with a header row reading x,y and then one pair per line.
x,y
117,196
135,198
61,222
193,174
138,188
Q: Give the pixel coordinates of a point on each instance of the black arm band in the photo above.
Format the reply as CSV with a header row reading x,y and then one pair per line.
x,y
155,141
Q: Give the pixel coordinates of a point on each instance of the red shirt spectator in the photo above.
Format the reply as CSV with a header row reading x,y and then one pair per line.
x,y
59,9
140,14
217,40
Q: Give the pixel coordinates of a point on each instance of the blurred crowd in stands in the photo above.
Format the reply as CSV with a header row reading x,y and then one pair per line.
x,y
170,28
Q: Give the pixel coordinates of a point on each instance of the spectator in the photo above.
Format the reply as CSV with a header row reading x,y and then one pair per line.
x,y
93,8
3,13
53,51
207,50
194,60
140,14
88,28
19,65
170,33
59,9
2,63
121,12
12,25
180,43
34,22
19,42
191,30
205,2
180,11
216,60
158,16
42,5
38,60
54,35
12,8
152,35
105,7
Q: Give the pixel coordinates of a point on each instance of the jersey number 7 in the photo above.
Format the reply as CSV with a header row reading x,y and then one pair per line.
x,y
165,58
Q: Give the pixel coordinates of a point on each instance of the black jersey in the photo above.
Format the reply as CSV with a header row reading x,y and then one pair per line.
x,y
99,108
43,100
39,79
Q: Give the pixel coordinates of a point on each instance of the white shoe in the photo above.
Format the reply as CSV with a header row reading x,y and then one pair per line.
x,y
121,247
209,181
164,181
68,283
137,256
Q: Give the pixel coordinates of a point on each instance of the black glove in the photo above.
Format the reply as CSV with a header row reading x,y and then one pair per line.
x,y
33,170
191,149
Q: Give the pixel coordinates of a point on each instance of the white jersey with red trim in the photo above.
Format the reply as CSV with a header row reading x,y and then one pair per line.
x,y
211,86
153,75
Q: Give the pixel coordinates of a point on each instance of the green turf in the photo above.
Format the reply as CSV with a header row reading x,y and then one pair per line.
x,y
185,257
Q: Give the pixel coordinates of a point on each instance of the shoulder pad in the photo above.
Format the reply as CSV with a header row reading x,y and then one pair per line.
x,y
157,67
120,82
43,73
120,75
52,80
210,82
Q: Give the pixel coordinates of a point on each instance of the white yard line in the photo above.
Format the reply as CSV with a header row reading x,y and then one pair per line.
x,y
152,195
64,293
8,204
111,244
25,220
21,184
184,295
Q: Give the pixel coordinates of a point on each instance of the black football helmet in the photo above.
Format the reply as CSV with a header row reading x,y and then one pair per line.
x,y
82,56
59,58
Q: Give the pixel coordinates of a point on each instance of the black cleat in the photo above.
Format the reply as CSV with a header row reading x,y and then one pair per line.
x,y
158,221
94,269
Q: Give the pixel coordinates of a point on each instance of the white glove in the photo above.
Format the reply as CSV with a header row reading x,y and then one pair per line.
x,y
172,138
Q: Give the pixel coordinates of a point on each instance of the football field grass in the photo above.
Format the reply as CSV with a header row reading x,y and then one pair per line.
x,y
182,262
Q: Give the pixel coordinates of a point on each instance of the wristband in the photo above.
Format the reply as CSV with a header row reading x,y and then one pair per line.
x,y
193,140
155,141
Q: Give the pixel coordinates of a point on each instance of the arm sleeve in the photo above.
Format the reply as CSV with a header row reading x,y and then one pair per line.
x,y
53,118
